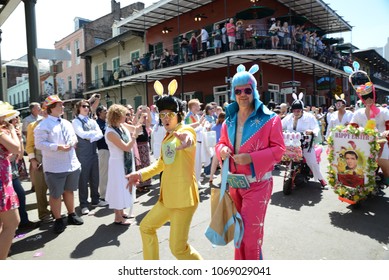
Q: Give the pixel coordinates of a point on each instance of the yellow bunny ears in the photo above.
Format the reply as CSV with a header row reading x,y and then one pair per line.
x,y
168,101
340,98
172,87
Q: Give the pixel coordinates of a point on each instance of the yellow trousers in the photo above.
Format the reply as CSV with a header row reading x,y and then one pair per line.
x,y
180,219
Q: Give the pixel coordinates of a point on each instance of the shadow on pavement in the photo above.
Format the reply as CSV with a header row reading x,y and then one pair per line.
x,y
371,218
307,195
104,236
34,242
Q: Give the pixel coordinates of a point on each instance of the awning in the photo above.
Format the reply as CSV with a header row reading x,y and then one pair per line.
x,y
374,59
159,12
255,12
7,7
318,13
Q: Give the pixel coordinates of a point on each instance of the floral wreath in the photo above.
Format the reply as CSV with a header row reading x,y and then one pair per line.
x,y
359,192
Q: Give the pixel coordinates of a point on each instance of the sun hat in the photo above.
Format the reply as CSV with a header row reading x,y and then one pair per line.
x,y
7,111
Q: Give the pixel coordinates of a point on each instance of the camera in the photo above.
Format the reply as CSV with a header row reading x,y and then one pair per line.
x,y
144,107
97,96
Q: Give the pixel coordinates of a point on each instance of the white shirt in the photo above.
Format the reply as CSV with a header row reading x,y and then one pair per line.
x,y
334,120
94,134
360,118
306,122
204,35
48,135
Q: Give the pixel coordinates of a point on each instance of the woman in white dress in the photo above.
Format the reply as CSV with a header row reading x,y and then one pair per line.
x,y
120,142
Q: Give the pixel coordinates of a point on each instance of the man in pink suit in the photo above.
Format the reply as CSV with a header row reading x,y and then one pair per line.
x,y
251,139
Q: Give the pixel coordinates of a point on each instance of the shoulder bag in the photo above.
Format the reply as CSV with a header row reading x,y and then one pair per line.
x,y
226,223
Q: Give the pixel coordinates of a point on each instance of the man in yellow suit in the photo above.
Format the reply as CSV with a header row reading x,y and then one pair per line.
x,y
179,195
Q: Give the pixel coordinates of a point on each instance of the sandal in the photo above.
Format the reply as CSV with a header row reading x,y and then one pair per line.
x,y
126,216
123,223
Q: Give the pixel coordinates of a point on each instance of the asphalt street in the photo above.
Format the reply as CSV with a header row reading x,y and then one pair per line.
x,y
309,224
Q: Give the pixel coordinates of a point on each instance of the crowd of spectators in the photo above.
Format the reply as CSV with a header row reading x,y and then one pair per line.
x,y
239,35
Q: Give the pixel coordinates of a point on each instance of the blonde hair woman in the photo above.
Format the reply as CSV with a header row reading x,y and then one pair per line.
x,y
120,138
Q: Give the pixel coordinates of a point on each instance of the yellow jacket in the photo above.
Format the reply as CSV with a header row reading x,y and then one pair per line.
x,y
30,141
178,185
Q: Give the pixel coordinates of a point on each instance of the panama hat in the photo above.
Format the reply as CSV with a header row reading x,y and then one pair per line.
x,y
7,111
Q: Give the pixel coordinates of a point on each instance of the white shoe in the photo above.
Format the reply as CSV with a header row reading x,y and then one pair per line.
x,y
102,203
84,211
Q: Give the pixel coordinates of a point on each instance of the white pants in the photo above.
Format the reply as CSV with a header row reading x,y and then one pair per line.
x,y
198,163
385,152
103,171
310,158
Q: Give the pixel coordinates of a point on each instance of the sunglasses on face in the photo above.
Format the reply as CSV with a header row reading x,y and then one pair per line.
x,y
169,115
366,96
247,91
128,115
85,106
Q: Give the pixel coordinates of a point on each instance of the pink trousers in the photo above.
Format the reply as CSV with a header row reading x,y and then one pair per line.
x,y
252,204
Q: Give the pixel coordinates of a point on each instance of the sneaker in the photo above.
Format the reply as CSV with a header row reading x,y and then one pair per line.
x,y
101,203
73,219
84,211
59,226
28,226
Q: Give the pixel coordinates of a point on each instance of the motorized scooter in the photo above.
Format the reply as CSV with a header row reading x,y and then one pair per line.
x,y
297,171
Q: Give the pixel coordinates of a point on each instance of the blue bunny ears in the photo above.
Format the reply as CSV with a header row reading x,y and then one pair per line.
x,y
362,85
243,77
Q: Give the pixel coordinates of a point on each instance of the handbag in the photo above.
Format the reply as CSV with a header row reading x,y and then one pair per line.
x,y
226,222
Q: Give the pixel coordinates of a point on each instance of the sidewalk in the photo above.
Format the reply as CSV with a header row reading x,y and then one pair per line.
x,y
100,239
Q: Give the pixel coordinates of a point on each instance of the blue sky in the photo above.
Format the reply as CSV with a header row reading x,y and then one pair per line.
x,y
368,18
55,21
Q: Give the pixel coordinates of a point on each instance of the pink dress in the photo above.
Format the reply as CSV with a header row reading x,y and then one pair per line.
x,y
8,197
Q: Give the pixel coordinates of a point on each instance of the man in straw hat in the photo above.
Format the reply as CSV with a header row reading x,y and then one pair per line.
x,y
56,138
